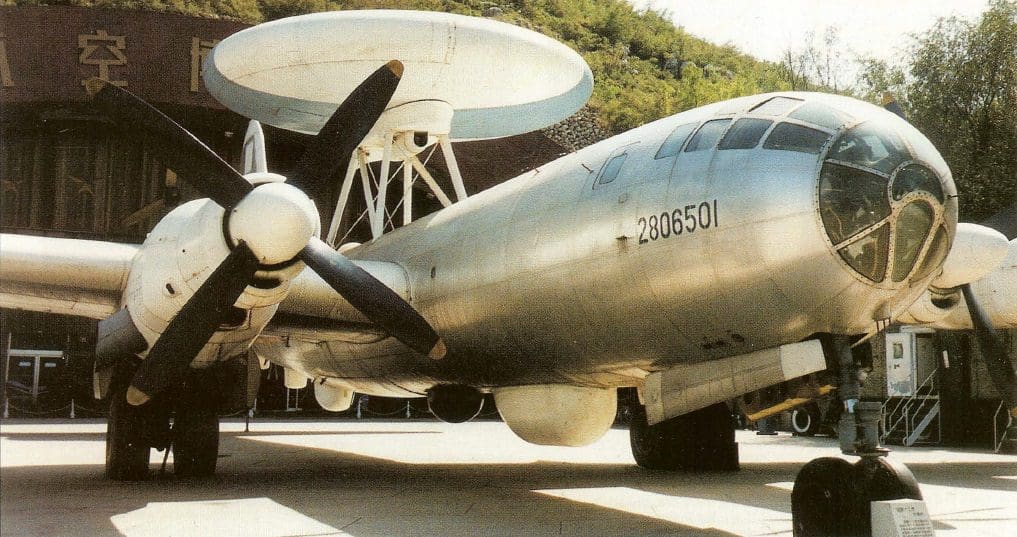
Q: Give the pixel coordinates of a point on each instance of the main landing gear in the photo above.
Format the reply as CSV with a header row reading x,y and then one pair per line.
x,y
132,431
700,440
831,496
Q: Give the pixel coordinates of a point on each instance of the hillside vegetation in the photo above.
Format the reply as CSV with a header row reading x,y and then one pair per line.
x,y
644,67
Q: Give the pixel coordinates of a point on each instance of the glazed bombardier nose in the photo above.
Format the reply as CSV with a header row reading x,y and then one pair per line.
x,y
883,209
275,220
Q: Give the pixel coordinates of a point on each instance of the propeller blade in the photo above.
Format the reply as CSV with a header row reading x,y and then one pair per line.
x,y
374,299
178,149
997,360
329,152
193,325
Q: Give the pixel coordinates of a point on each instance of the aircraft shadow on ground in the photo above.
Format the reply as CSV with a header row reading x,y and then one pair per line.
x,y
337,488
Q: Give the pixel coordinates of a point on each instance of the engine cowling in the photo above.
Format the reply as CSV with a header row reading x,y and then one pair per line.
x,y
453,403
557,414
177,257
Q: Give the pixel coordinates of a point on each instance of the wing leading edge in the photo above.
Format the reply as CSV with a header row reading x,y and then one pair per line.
x,y
77,277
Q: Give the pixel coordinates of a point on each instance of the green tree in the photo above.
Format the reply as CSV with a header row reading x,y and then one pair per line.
x,y
959,87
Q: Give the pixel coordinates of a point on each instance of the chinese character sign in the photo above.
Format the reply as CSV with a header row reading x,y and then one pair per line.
x,y
103,50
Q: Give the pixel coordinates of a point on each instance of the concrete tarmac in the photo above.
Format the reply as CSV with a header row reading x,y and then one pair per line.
x,y
371,478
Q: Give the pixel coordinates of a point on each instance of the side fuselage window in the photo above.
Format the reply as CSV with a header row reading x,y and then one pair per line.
x,y
611,169
707,135
674,141
745,133
790,137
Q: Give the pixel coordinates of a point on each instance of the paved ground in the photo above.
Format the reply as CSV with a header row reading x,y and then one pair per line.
x,y
374,478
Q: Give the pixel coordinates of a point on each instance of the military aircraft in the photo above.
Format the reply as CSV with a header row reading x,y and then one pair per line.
x,y
697,258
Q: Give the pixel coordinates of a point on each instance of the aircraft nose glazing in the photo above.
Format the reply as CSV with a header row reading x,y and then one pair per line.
x,y
883,209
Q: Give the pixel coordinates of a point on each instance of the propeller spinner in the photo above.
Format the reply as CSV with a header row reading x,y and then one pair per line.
x,y
260,241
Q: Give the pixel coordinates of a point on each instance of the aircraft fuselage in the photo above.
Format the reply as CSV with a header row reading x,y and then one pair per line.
x,y
561,274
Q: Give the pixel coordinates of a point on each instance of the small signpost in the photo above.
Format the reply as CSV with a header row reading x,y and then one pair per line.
x,y
901,518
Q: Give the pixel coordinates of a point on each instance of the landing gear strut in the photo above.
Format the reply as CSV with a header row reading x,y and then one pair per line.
x,y
700,440
831,496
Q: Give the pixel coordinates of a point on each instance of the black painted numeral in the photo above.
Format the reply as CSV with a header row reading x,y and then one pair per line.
x,y
686,219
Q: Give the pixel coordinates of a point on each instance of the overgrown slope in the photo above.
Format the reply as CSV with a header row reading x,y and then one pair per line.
x,y
644,67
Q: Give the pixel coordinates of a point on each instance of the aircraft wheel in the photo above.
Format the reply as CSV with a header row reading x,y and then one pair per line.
x,y
821,498
653,446
806,420
700,440
195,442
878,479
126,451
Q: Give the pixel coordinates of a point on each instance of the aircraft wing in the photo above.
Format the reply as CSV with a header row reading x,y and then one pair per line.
x,y
65,276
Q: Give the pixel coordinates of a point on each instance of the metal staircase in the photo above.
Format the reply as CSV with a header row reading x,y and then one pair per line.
x,y
915,419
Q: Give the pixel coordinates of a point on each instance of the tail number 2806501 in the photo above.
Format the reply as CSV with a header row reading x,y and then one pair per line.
x,y
673,223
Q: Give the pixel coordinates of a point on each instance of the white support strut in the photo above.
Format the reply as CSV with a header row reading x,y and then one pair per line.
x,y
378,225
365,180
453,167
344,196
429,179
407,193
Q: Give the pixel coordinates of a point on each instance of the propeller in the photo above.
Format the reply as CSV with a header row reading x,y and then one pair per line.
x,y
290,235
997,359
179,150
330,151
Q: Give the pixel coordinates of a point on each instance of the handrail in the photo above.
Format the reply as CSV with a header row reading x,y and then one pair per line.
x,y
998,439
905,408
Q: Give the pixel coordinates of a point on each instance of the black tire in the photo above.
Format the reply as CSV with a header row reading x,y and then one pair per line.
x,y
700,440
821,501
195,442
878,479
653,446
806,420
127,453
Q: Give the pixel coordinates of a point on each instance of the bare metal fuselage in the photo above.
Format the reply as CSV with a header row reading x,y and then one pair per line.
x,y
553,277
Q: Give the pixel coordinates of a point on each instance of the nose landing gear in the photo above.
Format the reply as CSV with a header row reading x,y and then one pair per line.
x,y
831,496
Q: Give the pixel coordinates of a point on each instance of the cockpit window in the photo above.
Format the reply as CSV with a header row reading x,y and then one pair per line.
x,y
745,133
913,225
820,114
915,177
777,106
868,254
868,146
707,135
937,253
611,169
872,197
673,144
791,137
850,200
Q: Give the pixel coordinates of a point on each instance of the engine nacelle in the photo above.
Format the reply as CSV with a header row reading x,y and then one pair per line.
x,y
331,396
947,310
179,254
557,414
453,403
931,307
